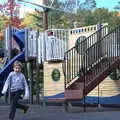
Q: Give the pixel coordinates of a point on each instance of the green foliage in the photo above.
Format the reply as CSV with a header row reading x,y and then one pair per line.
x,y
1,44
1,24
89,18
102,15
3,20
84,17
34,20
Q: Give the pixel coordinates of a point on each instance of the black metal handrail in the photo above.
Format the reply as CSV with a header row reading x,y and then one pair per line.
x,y
103,30
90,52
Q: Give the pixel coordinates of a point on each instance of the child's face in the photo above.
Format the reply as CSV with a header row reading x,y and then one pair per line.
x,y
17,68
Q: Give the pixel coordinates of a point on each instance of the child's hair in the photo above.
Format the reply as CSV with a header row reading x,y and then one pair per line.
x,y
17,63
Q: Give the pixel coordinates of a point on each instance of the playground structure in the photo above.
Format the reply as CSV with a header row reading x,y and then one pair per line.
x,y
99,59
31,50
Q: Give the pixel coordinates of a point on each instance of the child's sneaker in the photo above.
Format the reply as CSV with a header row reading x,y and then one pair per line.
x,y
25,109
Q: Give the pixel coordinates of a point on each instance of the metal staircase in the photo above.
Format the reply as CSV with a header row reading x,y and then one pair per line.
x,y
90,61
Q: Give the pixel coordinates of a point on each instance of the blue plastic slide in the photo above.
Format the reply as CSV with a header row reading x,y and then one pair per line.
x,y
19,37
8,68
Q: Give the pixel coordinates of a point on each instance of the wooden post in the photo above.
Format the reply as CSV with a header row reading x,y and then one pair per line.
x,y
37,83
30,81
45,19
45,16
9,58
37,73
10,42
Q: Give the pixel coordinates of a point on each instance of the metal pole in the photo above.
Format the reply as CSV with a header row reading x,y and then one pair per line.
x,y
84,96
99,106
84,72
30,81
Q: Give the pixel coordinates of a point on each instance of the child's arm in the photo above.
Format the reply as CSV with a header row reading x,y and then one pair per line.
x,y
5,87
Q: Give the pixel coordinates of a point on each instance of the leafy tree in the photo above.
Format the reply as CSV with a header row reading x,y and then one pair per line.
x,y
65,20
59,20
114,20
99,15
103,15
86,15
33,20
3,21
38,19
28,20
86,5
89,18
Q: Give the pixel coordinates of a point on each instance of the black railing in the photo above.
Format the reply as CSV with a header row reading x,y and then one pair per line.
x,y
90,52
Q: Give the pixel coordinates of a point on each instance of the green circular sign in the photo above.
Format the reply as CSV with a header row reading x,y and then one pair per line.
x,y
55,74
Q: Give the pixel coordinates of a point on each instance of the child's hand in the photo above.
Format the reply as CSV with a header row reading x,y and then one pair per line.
x,y
3,92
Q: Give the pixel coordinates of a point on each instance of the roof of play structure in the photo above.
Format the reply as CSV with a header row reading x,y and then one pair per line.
x,y
59,5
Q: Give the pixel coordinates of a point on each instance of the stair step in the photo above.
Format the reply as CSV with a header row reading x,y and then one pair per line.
x,y
77,86
73,94
92,78
56,99
71,82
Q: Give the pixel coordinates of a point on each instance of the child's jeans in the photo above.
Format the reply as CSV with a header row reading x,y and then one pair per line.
x,y
14,97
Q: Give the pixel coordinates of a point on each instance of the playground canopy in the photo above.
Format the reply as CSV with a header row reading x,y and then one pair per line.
x,y
69,6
